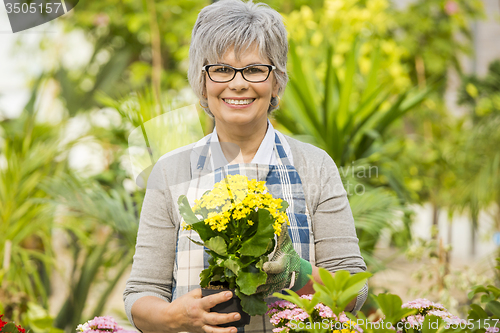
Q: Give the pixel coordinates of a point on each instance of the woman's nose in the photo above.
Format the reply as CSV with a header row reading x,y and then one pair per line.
x,y
238,82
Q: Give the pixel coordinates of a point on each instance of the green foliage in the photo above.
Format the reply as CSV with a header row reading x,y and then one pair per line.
x,y
391,307
338,290
489,308
11,328
122,37
482,95
334,291
30,152
112,215
340,116
339,23
435,33
39,320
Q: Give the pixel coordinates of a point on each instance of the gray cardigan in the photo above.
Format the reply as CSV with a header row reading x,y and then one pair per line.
x,y
336,243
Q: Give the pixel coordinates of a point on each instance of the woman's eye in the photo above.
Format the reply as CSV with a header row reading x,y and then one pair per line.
x,y
222,70
254,70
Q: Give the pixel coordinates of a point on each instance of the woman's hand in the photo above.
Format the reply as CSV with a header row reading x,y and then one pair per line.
x,y
191,313
286,269
188,313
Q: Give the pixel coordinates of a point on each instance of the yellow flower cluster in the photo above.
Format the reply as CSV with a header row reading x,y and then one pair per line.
x,y
339,22
349,324
234,198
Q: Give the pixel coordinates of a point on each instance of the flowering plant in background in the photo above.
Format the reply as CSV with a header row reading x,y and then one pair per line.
x,y
236,222
6,327
105,324
425,308
288,317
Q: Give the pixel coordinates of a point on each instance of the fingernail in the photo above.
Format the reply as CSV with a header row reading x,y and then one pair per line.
x,y
229,294
234,330
237,316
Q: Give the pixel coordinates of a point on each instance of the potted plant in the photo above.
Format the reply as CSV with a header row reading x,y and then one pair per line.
x,y
236,222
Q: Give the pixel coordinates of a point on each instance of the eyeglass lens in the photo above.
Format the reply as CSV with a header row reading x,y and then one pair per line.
x,y
224,73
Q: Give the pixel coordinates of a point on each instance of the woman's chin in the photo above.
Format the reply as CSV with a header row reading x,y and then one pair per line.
x,y
244,124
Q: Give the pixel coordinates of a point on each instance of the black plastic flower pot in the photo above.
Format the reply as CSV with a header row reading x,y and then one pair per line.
x,y
232,305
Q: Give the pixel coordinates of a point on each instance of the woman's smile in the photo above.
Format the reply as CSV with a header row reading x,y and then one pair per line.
x,y
238,103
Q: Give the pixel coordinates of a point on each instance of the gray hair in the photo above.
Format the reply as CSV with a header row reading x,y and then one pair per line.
x,y
228,23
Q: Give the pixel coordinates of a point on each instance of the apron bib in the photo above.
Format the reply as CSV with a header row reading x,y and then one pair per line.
x,y
281,180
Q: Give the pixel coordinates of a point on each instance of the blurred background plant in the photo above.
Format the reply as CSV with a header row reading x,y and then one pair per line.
x,y
368,80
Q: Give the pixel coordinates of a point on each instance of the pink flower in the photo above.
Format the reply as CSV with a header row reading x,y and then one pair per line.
x,y
281,329
101,20
451,7
492,329
101,325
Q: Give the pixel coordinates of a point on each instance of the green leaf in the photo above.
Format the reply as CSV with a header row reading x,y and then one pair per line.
x,y
254,305
217,244
304,303
204,231
477,290
336,282
352,288
205,276
391,307
250,278
186,211
284,206
257,245
347,85
477,312
196,242
10,328
494,308
432,324
494,290
233,265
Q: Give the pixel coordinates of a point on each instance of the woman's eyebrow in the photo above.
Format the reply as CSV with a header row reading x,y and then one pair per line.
x,y
253,63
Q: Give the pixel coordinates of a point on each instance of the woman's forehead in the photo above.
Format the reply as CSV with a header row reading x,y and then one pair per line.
x,y
250,54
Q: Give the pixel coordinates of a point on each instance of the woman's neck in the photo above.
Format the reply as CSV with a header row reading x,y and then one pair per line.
x,y
240,146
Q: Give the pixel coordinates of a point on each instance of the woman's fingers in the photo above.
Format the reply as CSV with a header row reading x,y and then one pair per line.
x,y
209,302
216,329
214,318
275,267
198,310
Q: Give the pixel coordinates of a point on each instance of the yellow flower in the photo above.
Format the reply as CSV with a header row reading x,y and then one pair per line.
x,y
234,198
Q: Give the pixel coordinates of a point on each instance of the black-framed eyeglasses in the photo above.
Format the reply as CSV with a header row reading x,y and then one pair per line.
x,y
251,73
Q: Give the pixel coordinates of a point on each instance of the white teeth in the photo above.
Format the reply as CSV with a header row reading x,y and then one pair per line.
x,y
239,101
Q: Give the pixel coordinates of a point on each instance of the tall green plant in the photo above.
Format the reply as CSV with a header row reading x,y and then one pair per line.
x,y
30,152
342,116
103,227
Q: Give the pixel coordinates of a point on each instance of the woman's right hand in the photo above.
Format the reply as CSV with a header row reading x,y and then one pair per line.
x,y
191,313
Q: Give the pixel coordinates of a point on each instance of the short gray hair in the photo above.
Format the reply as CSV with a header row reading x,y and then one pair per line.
x,y
228,23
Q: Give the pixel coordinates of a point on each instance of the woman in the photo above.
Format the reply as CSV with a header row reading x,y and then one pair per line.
x,y
237,68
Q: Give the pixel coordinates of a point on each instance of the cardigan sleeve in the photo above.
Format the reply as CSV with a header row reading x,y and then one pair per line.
x,y
336,242
153,263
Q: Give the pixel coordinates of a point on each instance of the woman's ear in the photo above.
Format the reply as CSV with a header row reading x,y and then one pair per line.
x,y
275,87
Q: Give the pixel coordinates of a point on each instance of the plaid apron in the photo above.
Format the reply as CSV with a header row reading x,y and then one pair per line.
x,y
282,181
